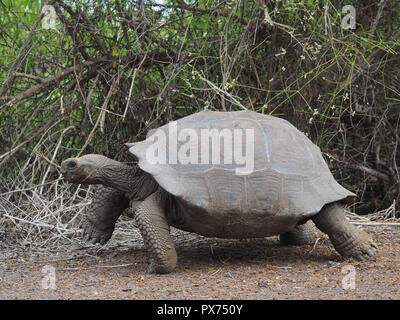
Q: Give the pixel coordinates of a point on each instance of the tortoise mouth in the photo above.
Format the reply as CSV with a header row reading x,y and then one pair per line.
x,y
72,177
68,176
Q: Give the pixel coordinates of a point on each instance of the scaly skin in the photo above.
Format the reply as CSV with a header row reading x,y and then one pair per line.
x,y
152,223
125,186
348,240
300,235
100,216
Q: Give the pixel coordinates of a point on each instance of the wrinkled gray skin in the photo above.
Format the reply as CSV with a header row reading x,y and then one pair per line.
x,y
126,187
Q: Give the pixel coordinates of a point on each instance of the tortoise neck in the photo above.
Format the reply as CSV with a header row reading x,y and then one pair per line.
x,y
133,181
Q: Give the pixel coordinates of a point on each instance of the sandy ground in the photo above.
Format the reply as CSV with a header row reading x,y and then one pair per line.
x,y
207,269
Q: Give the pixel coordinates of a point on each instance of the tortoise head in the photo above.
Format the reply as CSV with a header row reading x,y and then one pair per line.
x,y
85,169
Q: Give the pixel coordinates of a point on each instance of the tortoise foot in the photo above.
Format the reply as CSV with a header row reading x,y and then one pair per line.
x,y
92,234
302,234
348,240
354,243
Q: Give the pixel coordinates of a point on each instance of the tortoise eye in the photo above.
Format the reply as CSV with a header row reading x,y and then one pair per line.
x,y
72,164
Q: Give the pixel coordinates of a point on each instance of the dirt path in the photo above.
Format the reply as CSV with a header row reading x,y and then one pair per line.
x,y
207,269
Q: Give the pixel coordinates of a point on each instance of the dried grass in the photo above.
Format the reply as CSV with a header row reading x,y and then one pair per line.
x,y
46,218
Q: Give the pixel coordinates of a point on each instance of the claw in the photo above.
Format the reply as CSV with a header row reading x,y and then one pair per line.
x,y
370,252
86,237
151,268
93,234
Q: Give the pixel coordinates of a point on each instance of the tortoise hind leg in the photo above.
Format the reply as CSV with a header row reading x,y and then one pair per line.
x,y
348,240
300,235
152,223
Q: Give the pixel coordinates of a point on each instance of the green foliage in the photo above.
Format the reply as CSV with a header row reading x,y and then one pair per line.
x,y
149,62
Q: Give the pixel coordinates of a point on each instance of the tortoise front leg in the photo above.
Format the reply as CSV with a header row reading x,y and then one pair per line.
x,y
348,240
100,216
152,223
131,210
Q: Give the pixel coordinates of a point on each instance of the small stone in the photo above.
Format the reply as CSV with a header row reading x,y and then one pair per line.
x,y
263,283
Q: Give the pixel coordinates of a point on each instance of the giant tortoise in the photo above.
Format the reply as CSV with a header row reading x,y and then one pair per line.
x,y
288,184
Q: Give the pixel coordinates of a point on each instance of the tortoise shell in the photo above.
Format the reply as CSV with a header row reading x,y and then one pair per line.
x,y
289,176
